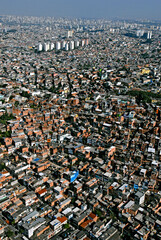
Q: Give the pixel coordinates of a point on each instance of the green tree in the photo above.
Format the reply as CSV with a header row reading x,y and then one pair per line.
x,y
9,233
16,103
5,134
66,226
98,212
2,166
25,94
6,117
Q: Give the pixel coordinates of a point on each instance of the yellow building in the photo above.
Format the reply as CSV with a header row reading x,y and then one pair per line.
x,y
145,71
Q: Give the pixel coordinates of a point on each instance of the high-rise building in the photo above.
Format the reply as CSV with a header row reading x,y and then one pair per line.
x,y
112,30
139,33
63,44
46,47
86,41
39,47
149,35
83,42
71,45
67,46
70,33
52,46
76,43
58,45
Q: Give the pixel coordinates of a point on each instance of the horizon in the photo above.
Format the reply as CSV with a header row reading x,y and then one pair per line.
x,y
91,9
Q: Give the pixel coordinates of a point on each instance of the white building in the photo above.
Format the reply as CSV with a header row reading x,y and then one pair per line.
x,y
67,46
56,225
70,33
46,47
71,45
58,45
139,33
63,44
76,43
82,42
30,228
149,35
52,46
39,47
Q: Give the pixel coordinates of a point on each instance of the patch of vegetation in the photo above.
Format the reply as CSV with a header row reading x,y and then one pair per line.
x,y
25,94
16,103
2,166
5,134
98,212
53,90
3,85
47,96
6,117
144,96
33,106
11,97
9,233
66,226
145,55
113,216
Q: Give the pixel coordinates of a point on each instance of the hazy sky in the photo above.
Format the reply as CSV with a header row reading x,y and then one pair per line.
x,y
83,8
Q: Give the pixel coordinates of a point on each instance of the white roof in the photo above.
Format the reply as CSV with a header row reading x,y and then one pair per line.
x,y
76,209
155,162
108,174
151,150
129,204
67,210
143,170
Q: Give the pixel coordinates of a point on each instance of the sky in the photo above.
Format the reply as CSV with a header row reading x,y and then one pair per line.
x,y
126,9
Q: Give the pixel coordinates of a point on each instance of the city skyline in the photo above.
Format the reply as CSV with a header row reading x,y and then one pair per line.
x,y
84,9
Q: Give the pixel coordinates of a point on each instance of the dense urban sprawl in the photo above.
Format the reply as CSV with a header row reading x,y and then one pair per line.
x,y
80,129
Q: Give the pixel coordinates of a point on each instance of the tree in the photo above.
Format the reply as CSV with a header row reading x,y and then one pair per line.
x,y
98,212
73,200
13,222
6,117
25,94
66,226
9,233
2,166
16,103
5,134
11,97
112,215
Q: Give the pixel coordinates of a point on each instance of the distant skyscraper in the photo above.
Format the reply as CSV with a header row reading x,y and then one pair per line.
x,y
139,33
83,42
76,43
40,47
46,47
52,46
63,44
149,35
71,45
70,33
112,30
86,41
58,45
67,46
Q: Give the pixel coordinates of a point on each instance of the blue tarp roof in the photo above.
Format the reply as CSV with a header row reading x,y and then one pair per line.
x,y
36,159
